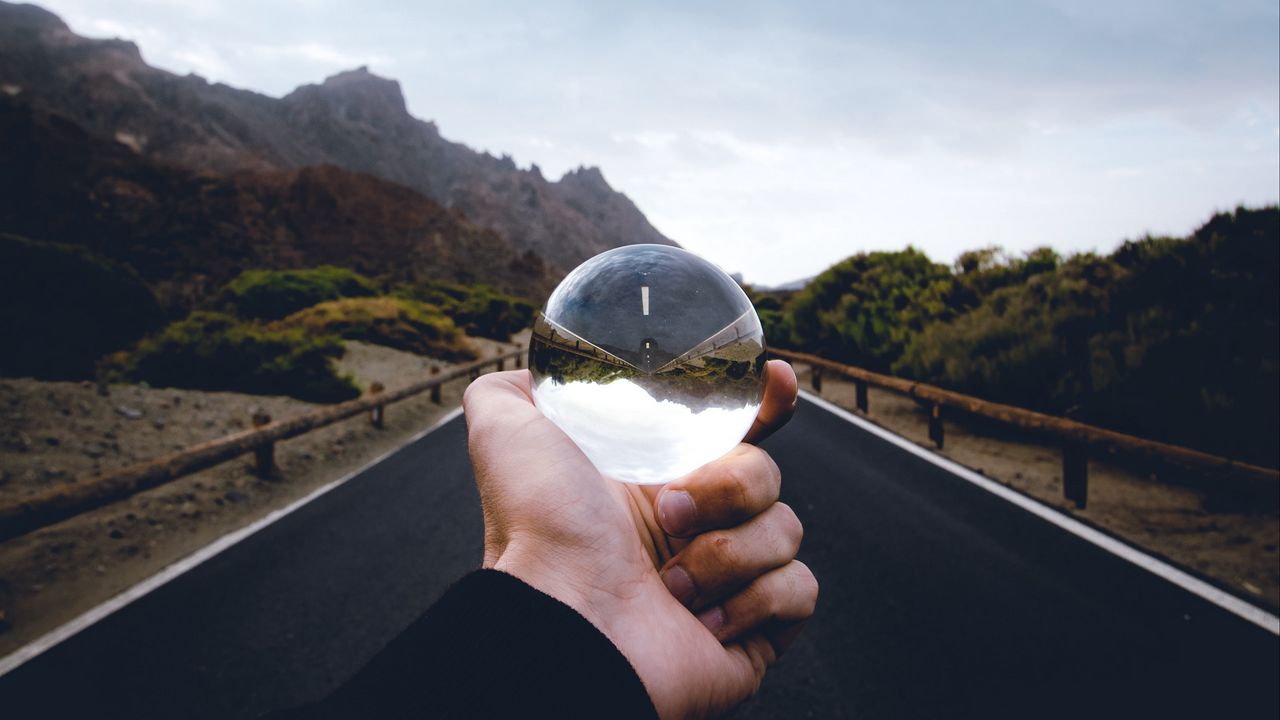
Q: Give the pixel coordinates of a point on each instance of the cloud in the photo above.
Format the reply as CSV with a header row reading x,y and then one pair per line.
x,y
316,54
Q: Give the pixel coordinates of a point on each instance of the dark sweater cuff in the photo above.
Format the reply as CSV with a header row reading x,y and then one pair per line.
x,y
494,646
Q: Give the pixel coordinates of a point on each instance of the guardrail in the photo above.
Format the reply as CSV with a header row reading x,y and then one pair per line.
x,y
1076,438
22,516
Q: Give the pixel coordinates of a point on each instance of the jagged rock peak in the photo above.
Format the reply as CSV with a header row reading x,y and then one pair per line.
x,y
360,85
586,176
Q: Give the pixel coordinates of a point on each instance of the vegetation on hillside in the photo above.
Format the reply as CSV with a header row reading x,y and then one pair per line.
x,y
62,307
1174,339
274,294
216,351
480,310
275,332
395,322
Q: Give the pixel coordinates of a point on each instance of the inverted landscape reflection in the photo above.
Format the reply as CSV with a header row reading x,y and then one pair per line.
x,y
651,359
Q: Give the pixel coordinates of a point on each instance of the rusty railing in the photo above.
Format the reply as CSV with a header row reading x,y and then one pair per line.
x,y
1077,440
21,516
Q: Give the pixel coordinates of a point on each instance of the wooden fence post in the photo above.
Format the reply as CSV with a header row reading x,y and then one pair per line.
x,y
375,412
520,358
815,379
860,388
1075,473
264,455
475,374
435,394
936,433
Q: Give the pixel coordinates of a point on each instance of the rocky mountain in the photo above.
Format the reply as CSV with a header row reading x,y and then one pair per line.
x,y
187,232
354,120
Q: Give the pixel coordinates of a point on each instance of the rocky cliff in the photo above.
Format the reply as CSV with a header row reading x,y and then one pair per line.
x,y
354,120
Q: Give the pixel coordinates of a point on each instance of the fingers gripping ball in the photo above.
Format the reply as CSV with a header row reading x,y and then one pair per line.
x,y
651,359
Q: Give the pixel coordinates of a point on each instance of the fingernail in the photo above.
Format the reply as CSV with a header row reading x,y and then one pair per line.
x,y
679,583
713,618
675,512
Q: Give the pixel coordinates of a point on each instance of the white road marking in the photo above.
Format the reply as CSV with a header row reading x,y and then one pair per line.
x,y
644,298
1182,579
33,649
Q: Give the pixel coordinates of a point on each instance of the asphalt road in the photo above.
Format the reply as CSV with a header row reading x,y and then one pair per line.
x,y
938,600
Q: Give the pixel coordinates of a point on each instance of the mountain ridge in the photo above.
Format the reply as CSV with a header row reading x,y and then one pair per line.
x,y
188,232
354,120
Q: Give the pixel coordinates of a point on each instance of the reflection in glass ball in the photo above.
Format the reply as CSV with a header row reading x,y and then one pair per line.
x,y
651,359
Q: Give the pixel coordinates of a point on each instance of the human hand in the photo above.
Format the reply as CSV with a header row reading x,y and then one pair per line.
x,y
724,545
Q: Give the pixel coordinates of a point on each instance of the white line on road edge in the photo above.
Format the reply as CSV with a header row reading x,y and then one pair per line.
x,y
1194,585
33,649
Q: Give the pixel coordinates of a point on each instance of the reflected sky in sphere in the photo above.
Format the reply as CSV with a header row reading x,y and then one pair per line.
x,y
630,436
651,359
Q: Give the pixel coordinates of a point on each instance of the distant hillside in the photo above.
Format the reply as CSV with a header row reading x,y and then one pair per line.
x,y
187,233
354,120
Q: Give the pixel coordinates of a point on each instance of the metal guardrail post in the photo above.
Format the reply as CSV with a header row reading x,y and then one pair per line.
x,y
375,413
860,392
264,455
936,431
1075,473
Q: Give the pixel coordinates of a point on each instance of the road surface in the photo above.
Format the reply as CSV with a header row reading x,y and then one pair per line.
x,y
938,600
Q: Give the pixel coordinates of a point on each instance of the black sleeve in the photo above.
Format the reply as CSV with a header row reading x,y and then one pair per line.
x,y
492,647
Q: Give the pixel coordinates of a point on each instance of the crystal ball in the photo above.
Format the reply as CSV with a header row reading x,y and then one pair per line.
x,y
651,359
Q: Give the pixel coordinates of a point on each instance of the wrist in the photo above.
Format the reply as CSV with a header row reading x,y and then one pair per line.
x,y
552,570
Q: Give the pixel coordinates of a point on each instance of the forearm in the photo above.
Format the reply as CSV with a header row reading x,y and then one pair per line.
x,y
493,646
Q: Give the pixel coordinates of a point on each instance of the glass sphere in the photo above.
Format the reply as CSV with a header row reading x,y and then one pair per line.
x,y
651,359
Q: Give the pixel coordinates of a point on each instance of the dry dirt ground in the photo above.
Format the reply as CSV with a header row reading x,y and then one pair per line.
x,y
58,432
1232,542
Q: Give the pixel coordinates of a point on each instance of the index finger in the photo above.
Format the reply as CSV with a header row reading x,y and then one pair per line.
x,y
780,393
721,494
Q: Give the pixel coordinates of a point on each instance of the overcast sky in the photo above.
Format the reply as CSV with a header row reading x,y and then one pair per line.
x,y
777,138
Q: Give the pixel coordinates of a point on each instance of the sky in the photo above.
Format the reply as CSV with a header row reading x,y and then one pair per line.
x,y
778,138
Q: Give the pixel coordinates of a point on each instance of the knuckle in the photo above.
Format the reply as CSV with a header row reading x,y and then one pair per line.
x,y
771,470
733,487
720,549
755,600
752,478
805,588
475,391
779,533
789,526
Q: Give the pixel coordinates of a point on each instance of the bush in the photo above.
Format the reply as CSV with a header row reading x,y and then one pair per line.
x,y
479,310
274,294
1027,344
863,310
1173,339
215,351
396,322
61,308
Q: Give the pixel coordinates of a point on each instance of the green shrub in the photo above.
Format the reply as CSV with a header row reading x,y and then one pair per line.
x,y
396,322
274,294
479,310
61,308
1173,339
215,351
1027,343
863,310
